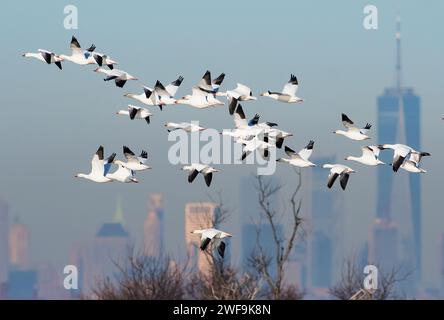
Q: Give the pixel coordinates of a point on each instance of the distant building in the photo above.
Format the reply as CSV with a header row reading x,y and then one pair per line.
x,y
153,227
250,240
198,215
50,284
19,245
110,246
22,284
4,250
399,121
325,244
250,214
383,248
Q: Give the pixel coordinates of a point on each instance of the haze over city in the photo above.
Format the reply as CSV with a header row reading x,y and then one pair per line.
x,y
53,121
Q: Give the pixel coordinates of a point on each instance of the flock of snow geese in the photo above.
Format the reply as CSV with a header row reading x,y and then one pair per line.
x,y
252,134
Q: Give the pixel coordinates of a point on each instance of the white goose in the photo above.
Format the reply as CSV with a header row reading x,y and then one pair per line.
x,y
144,97
240,93
370,156
134,163
208,86
200,99
412,163
299,159
288,93
197,168
78,55
255,144
45,56
401,151
207,235
186,126
163,96
123,175
338,170
353,132
119,76
99,168
135,112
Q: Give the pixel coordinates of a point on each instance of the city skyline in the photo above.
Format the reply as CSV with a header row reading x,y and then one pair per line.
x,y
344,75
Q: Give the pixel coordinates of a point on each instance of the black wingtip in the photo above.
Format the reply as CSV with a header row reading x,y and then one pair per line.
x,y
310,145
144,154
178,81
219,79
368,126
293,79
127,150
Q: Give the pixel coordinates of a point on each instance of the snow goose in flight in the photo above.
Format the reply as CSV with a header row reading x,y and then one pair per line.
x,y
353,132
401,151
288,93
412,163
78,55
207,235
244,129
240,93
200,99
253,128
370,156
135,112
197,168
299,159
149,96
165,95
122,174
119,76
338,170
99,167
133,162
208,86
145,97
270,130
186,126
255,144
45,56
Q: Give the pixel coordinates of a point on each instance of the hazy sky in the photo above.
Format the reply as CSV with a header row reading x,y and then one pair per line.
x,y
53,121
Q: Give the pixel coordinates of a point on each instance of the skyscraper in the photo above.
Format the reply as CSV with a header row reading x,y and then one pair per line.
x,y
153,228
109,247
326,219
399,109
19,245
250,214
198,215
383,248
4,252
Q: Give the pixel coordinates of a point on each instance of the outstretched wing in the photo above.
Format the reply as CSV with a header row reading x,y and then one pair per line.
x,y
346,121
331,179
307,151
174,86
193,174
291,86
208,177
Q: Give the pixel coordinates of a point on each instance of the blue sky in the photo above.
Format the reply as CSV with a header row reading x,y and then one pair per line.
x,y
52,121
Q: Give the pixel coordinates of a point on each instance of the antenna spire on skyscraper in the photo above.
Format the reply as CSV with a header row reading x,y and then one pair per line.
x,y
398,53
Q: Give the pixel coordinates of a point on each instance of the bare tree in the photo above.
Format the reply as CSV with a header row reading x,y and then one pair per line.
x,y
352,281
262,261
223,284
144,278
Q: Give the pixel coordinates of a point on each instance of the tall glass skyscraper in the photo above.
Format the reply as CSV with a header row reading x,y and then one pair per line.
x,y
326,219
400,104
